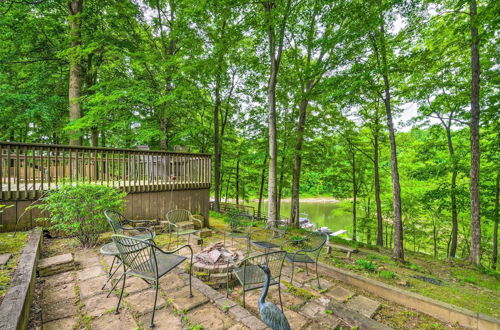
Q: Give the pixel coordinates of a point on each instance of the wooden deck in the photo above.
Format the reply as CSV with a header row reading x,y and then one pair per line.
x,y
27,170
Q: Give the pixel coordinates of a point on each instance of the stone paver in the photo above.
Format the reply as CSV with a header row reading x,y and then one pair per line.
x,y
66,323
164,320
58,279
56,264
321,315
90,272
92,286
122,321
238,327
325,284
135,284
363,305
339,293
142,302
61,292
182,301
4,258
99,305
58,310
171,282
253,323
209,317
87,258
295,320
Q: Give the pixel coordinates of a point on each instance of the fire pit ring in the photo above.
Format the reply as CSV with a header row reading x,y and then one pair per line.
x,y
211,264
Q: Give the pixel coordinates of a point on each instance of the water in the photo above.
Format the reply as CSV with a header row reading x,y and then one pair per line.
x,y
322,214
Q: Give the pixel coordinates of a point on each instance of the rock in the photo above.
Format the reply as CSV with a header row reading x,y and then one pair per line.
x,y
4,258
403,283
55,265
205,233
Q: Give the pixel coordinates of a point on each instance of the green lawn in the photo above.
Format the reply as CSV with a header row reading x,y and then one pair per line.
x,y
10,244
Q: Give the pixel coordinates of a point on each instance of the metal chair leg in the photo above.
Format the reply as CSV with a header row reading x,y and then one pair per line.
x,y
154,306
317,276
121,294
114,285
307,270
293,270
243,297
190,275
279,292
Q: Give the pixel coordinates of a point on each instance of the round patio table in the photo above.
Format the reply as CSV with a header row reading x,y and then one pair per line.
x,y
110,249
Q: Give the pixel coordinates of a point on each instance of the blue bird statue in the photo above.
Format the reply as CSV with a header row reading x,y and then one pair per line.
x,y
271,315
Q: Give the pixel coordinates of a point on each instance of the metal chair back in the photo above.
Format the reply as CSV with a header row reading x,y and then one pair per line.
x,y
116,221
176,216
241,223
273,260
137,255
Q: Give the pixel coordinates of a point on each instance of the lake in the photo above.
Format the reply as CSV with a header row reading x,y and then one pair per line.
x,y
327,214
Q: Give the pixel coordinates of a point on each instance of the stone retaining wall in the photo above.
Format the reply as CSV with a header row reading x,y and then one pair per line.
x,y
438,309
15,308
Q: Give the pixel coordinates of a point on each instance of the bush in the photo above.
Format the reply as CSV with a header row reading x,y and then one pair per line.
x,y
366,265
79,210
387,274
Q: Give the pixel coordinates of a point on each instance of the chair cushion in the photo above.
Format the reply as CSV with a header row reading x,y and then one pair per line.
x,y
165,262
253,276
264,244
291,257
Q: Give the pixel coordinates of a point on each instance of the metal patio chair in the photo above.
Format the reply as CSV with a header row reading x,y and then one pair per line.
x,y
251,276
308,253
122,226
274,231
182,223
240,226
147,261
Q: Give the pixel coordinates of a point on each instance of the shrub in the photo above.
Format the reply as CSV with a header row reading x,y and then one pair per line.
x,y
387,274
79,210
366,265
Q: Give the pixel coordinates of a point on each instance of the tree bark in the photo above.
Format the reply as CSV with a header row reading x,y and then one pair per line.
x,y
398,250
297,164
376,176
75,69
494,257
275,50
217,146
261,189
453,195
354,195
238,180
475,248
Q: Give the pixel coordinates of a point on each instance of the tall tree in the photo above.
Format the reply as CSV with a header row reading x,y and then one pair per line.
x,y
75,8
274,16
475,155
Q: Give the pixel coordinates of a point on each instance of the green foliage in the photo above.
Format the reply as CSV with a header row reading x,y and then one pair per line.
x,y
78,210
366,265
387,274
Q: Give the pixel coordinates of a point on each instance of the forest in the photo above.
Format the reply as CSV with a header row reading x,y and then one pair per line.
x,y
390,105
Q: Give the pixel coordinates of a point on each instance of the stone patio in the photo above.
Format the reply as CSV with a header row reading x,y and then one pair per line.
x,y
74,299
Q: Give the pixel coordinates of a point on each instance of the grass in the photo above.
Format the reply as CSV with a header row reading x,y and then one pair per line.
x,y
463,285
13,245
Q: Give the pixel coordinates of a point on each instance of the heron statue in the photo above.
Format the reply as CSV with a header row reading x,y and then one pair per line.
x,y
271,315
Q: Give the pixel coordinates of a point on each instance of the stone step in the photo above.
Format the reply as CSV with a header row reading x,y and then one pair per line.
x,y
55,265
363,305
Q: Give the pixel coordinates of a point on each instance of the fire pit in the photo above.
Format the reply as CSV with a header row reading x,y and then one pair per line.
x,y
211,264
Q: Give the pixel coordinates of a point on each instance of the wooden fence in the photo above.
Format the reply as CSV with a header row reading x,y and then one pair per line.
x,y
27,169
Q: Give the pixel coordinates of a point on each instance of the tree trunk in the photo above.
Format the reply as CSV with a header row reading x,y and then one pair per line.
x,y
354,195
94,137
376,175
297,164
75,69
280,185
261,190
494,257
217,145
275,51
238,180
475,221
453,195
398,250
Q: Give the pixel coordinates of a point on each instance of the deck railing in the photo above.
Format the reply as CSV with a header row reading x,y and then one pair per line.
x,y
27,169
